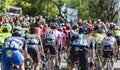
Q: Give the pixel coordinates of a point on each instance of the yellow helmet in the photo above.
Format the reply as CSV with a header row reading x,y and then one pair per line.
x,y
6,27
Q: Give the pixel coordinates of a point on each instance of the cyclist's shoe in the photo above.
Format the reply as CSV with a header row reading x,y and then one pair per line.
x,y
59,67
92,65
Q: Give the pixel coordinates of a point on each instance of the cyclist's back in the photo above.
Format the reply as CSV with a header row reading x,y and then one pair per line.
x,y
109,47
11,52
34,44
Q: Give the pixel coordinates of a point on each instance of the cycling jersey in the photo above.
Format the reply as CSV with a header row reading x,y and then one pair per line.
x,y
11,51
3,36
15,42
108,43
33,44
117,32
99,37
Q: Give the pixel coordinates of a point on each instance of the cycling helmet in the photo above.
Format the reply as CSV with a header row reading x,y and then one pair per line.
x,y
117,28
32,30
74,27
60,29
99,30
83,29
6,27
24,25
17,31
74,37
53,27
109,33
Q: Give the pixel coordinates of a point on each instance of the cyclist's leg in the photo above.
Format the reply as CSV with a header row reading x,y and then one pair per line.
x,y
60,56
34,53
112,58
53,53
104,59
71,61
84,60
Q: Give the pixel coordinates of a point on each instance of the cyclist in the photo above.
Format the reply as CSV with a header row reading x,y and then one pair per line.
x,y
25,26
99,37
62,38
51,42
72,32
87,45
6,32
12,47
117,36
109,47
34,46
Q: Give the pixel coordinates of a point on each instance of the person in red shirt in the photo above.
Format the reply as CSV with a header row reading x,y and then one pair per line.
x,y
46,28
1,21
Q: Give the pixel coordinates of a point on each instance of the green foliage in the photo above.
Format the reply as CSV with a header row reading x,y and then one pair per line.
x,y
103,9
3,5
87,9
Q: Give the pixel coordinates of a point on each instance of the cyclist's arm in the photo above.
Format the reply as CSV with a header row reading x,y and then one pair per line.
x,y
40,46
58,43
92,50
25,52
116,48
101,47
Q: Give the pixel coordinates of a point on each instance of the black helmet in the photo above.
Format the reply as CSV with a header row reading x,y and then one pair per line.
x,y
17,31
109,33
83,29
74,37
74,26
53,27
32,30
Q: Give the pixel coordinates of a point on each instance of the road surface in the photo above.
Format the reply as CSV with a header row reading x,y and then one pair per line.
x,y
64,65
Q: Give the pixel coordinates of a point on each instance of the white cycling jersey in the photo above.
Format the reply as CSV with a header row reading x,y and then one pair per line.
x,y
108,41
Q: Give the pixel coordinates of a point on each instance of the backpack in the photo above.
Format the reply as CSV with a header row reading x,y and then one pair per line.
x,y
49,39
31,39
80,43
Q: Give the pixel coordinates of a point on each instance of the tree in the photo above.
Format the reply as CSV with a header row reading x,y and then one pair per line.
x,y
3,5
103,9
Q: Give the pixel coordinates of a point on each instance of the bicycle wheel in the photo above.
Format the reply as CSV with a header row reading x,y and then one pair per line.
x,y
109,66
13,66
48,61
98,64
77,67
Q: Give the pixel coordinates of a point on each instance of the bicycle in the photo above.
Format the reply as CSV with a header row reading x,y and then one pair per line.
x,y
30,63
78,51
98,60
48,60
77,64
108,63
13,66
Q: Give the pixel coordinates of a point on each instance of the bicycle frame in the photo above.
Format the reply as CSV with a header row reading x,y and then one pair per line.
x,y
108,63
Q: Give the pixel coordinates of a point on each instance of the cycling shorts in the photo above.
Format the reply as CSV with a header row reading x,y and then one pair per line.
x,y
82,57
106,54
51,48
33,51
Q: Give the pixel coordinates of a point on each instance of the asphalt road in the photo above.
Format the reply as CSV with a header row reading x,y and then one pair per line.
x,y
116,65
64,65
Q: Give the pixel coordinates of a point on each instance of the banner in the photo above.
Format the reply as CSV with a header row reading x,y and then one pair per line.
x,y
72,14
